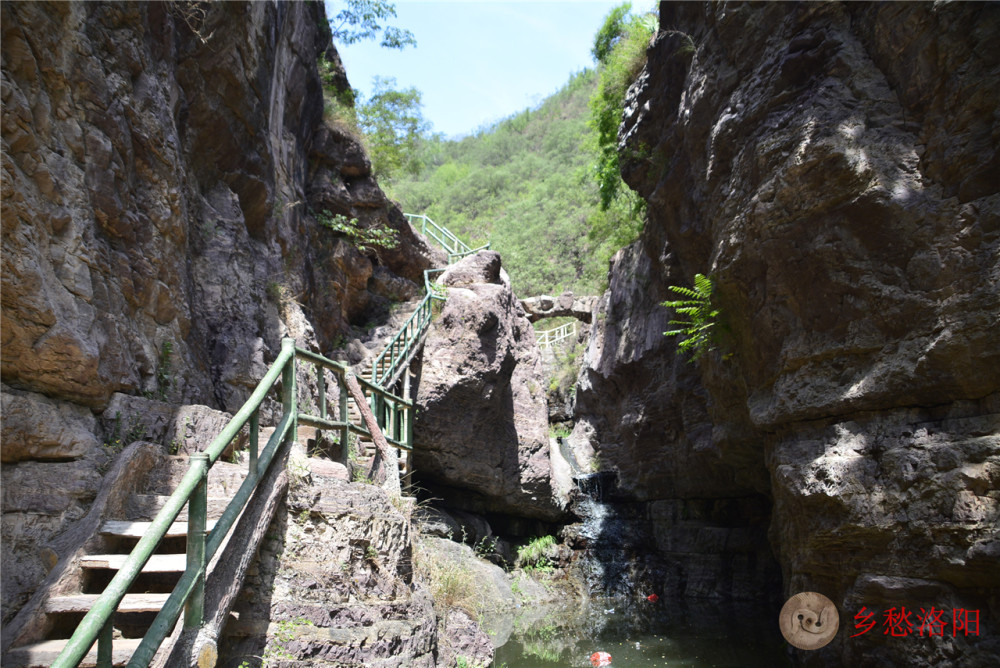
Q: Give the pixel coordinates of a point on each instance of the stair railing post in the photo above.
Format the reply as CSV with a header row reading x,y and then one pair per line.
x,y
345,418
288,396
194,609
321,389
254,438
104,644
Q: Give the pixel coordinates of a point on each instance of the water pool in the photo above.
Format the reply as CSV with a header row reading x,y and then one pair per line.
x,y
641,633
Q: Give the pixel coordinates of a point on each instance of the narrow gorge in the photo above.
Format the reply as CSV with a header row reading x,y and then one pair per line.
x,y
181,207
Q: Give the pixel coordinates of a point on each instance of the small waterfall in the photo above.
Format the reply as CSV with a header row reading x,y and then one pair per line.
x,y
604,536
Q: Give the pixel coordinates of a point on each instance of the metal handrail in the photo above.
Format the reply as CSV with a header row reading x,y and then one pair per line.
x,y
455,247
397,351
394,416
549,337
96,624
440,234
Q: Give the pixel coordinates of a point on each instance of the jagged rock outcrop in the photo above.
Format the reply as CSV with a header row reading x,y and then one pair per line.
x,y
834,168
334,584
482,420
565,305
163,165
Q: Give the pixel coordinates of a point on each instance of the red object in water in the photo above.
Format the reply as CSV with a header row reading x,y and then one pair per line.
x,y
652,598
600,659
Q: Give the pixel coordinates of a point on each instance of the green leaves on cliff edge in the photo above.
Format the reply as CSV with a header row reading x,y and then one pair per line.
x,y
620,51
361,20
701,317
393,125
365,239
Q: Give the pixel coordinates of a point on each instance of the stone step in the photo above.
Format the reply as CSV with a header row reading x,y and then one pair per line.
x,y
129,529
158,563
83,603
146,506
223,478
40,655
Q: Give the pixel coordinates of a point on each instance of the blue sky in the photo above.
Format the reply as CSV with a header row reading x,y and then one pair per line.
x,y
477,62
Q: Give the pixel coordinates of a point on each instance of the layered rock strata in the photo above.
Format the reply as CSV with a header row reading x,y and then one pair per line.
x,y
164,166
333,583
834,168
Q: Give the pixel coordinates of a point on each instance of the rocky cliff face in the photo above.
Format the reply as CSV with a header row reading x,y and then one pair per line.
x,y
834,168
162,164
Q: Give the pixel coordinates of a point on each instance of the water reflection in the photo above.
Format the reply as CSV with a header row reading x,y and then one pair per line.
x,y
640,633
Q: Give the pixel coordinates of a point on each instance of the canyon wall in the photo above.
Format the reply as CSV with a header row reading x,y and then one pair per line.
x,y
162,167
834,168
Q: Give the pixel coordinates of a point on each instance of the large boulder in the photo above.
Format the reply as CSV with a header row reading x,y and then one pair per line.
x,y
482,418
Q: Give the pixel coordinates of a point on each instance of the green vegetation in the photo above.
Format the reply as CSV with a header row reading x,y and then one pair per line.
x,y
119,437
522,184
277,651
452,584
361,20
392,124
526,183
697,328
566,368
365,239
164,371
536,555
620,49
389,123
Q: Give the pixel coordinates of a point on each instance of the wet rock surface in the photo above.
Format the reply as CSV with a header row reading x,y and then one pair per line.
x,y
797,154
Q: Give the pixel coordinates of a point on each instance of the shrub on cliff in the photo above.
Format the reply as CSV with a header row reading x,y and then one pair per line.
x,y
620,50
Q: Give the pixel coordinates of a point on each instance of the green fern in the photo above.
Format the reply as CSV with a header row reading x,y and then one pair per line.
x,y
697,307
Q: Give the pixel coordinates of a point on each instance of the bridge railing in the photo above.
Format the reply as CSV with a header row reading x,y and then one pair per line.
x,y
394,416
549,337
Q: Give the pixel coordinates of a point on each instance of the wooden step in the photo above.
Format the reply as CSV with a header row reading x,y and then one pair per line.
x,y
44,653
158,563
84,602
138,529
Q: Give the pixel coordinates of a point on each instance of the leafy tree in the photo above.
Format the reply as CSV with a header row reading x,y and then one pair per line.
x,y
611,32
361,20
392,123
620,46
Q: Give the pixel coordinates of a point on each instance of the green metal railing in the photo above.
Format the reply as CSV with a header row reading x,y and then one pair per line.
x,y
455,247
400,349
549,337
394,416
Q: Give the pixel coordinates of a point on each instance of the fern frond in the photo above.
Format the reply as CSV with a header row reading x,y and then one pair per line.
x,y
700,316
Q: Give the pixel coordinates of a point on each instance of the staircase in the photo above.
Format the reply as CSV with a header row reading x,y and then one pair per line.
x,y
117,602
149,592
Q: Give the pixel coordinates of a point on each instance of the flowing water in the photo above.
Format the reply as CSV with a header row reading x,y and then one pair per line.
x,y
618,618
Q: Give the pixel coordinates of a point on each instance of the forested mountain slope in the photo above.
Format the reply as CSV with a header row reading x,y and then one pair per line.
x,y
523,184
